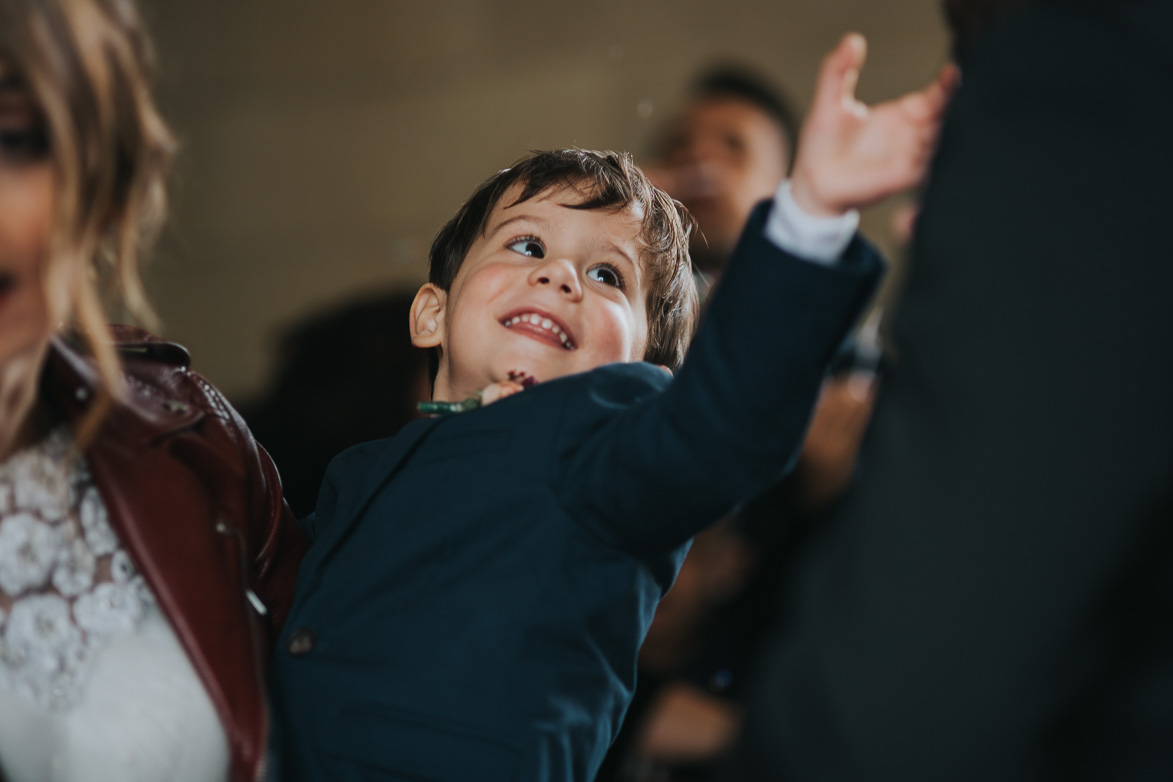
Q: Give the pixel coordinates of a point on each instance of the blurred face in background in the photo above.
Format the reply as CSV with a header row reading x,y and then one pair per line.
x,y
27,186
721,157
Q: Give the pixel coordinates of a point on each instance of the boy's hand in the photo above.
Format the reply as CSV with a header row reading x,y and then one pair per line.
x,y
850,155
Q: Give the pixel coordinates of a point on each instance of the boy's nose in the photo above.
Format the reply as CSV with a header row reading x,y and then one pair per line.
x,y
560,273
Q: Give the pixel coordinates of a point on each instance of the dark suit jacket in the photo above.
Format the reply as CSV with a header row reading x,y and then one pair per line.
x,y
995,601
480,584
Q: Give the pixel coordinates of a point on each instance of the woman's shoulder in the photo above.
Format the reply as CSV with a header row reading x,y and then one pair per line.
x,y
161,398
158,373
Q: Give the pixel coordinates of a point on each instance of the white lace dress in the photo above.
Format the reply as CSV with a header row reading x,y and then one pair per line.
x,y
94,685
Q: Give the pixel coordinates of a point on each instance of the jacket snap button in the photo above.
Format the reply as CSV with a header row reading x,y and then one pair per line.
x,y
301,642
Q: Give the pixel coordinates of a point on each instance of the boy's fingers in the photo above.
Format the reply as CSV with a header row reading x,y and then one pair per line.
x,y
840,71
938,93
856,52
950,79
928,104
917,105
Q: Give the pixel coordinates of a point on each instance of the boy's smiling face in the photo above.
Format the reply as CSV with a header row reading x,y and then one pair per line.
x,y
547,291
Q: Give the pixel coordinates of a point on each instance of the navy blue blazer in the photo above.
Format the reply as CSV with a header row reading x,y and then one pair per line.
x,y
480,584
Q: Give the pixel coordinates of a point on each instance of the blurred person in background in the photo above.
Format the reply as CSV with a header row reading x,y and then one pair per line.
x,y
725,151
345,376
145,552
995,599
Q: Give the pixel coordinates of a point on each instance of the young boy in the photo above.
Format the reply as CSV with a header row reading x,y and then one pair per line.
x,y
479,584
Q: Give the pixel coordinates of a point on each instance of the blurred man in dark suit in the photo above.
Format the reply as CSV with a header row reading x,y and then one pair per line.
x,y
995,600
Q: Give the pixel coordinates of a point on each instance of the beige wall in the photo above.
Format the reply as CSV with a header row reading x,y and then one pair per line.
x,y
326,141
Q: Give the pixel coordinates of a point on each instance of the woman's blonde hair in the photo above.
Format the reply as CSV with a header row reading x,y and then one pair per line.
x,y
86,64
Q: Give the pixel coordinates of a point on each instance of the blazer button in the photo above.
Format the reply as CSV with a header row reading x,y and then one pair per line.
x,y
301,642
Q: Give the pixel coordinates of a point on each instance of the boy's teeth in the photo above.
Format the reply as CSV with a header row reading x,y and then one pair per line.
x,y
545,323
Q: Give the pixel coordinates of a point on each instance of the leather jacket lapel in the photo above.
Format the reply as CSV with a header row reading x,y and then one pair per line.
x,y
71,386
162,482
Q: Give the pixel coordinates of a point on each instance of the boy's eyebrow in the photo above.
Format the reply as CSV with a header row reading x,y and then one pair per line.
x,y
623,253
539,221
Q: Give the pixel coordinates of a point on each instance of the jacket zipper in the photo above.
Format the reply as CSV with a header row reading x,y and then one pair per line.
x,y
256,604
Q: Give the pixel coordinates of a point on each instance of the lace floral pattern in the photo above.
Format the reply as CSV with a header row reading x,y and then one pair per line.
x,y
66,586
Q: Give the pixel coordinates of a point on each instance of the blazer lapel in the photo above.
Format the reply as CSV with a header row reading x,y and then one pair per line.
x,y
356,489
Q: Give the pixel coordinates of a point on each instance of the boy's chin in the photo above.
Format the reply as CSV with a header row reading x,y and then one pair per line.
x,y
527,372
530,373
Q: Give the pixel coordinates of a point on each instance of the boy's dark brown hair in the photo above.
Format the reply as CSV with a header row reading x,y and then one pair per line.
x,y
609,181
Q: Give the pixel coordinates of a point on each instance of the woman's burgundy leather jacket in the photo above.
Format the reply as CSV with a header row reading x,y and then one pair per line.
x,y
197,505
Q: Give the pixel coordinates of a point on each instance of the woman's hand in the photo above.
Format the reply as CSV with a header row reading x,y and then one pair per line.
x,y
494,391
518,381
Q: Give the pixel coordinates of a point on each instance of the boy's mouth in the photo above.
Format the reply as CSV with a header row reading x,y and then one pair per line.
x,y
539,325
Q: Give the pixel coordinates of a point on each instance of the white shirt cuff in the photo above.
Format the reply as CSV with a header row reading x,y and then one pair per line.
x,y
816,239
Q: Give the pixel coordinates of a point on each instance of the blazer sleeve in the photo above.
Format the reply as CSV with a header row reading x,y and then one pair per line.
x,y
1009,541
662,467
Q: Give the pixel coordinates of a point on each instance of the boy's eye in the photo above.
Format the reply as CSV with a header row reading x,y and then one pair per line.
x,y
606,274
528,245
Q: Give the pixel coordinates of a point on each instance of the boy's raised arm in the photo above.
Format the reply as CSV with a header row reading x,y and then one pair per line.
x,y
668,465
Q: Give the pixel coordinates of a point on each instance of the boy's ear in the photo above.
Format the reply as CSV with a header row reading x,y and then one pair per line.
x,y
427,316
